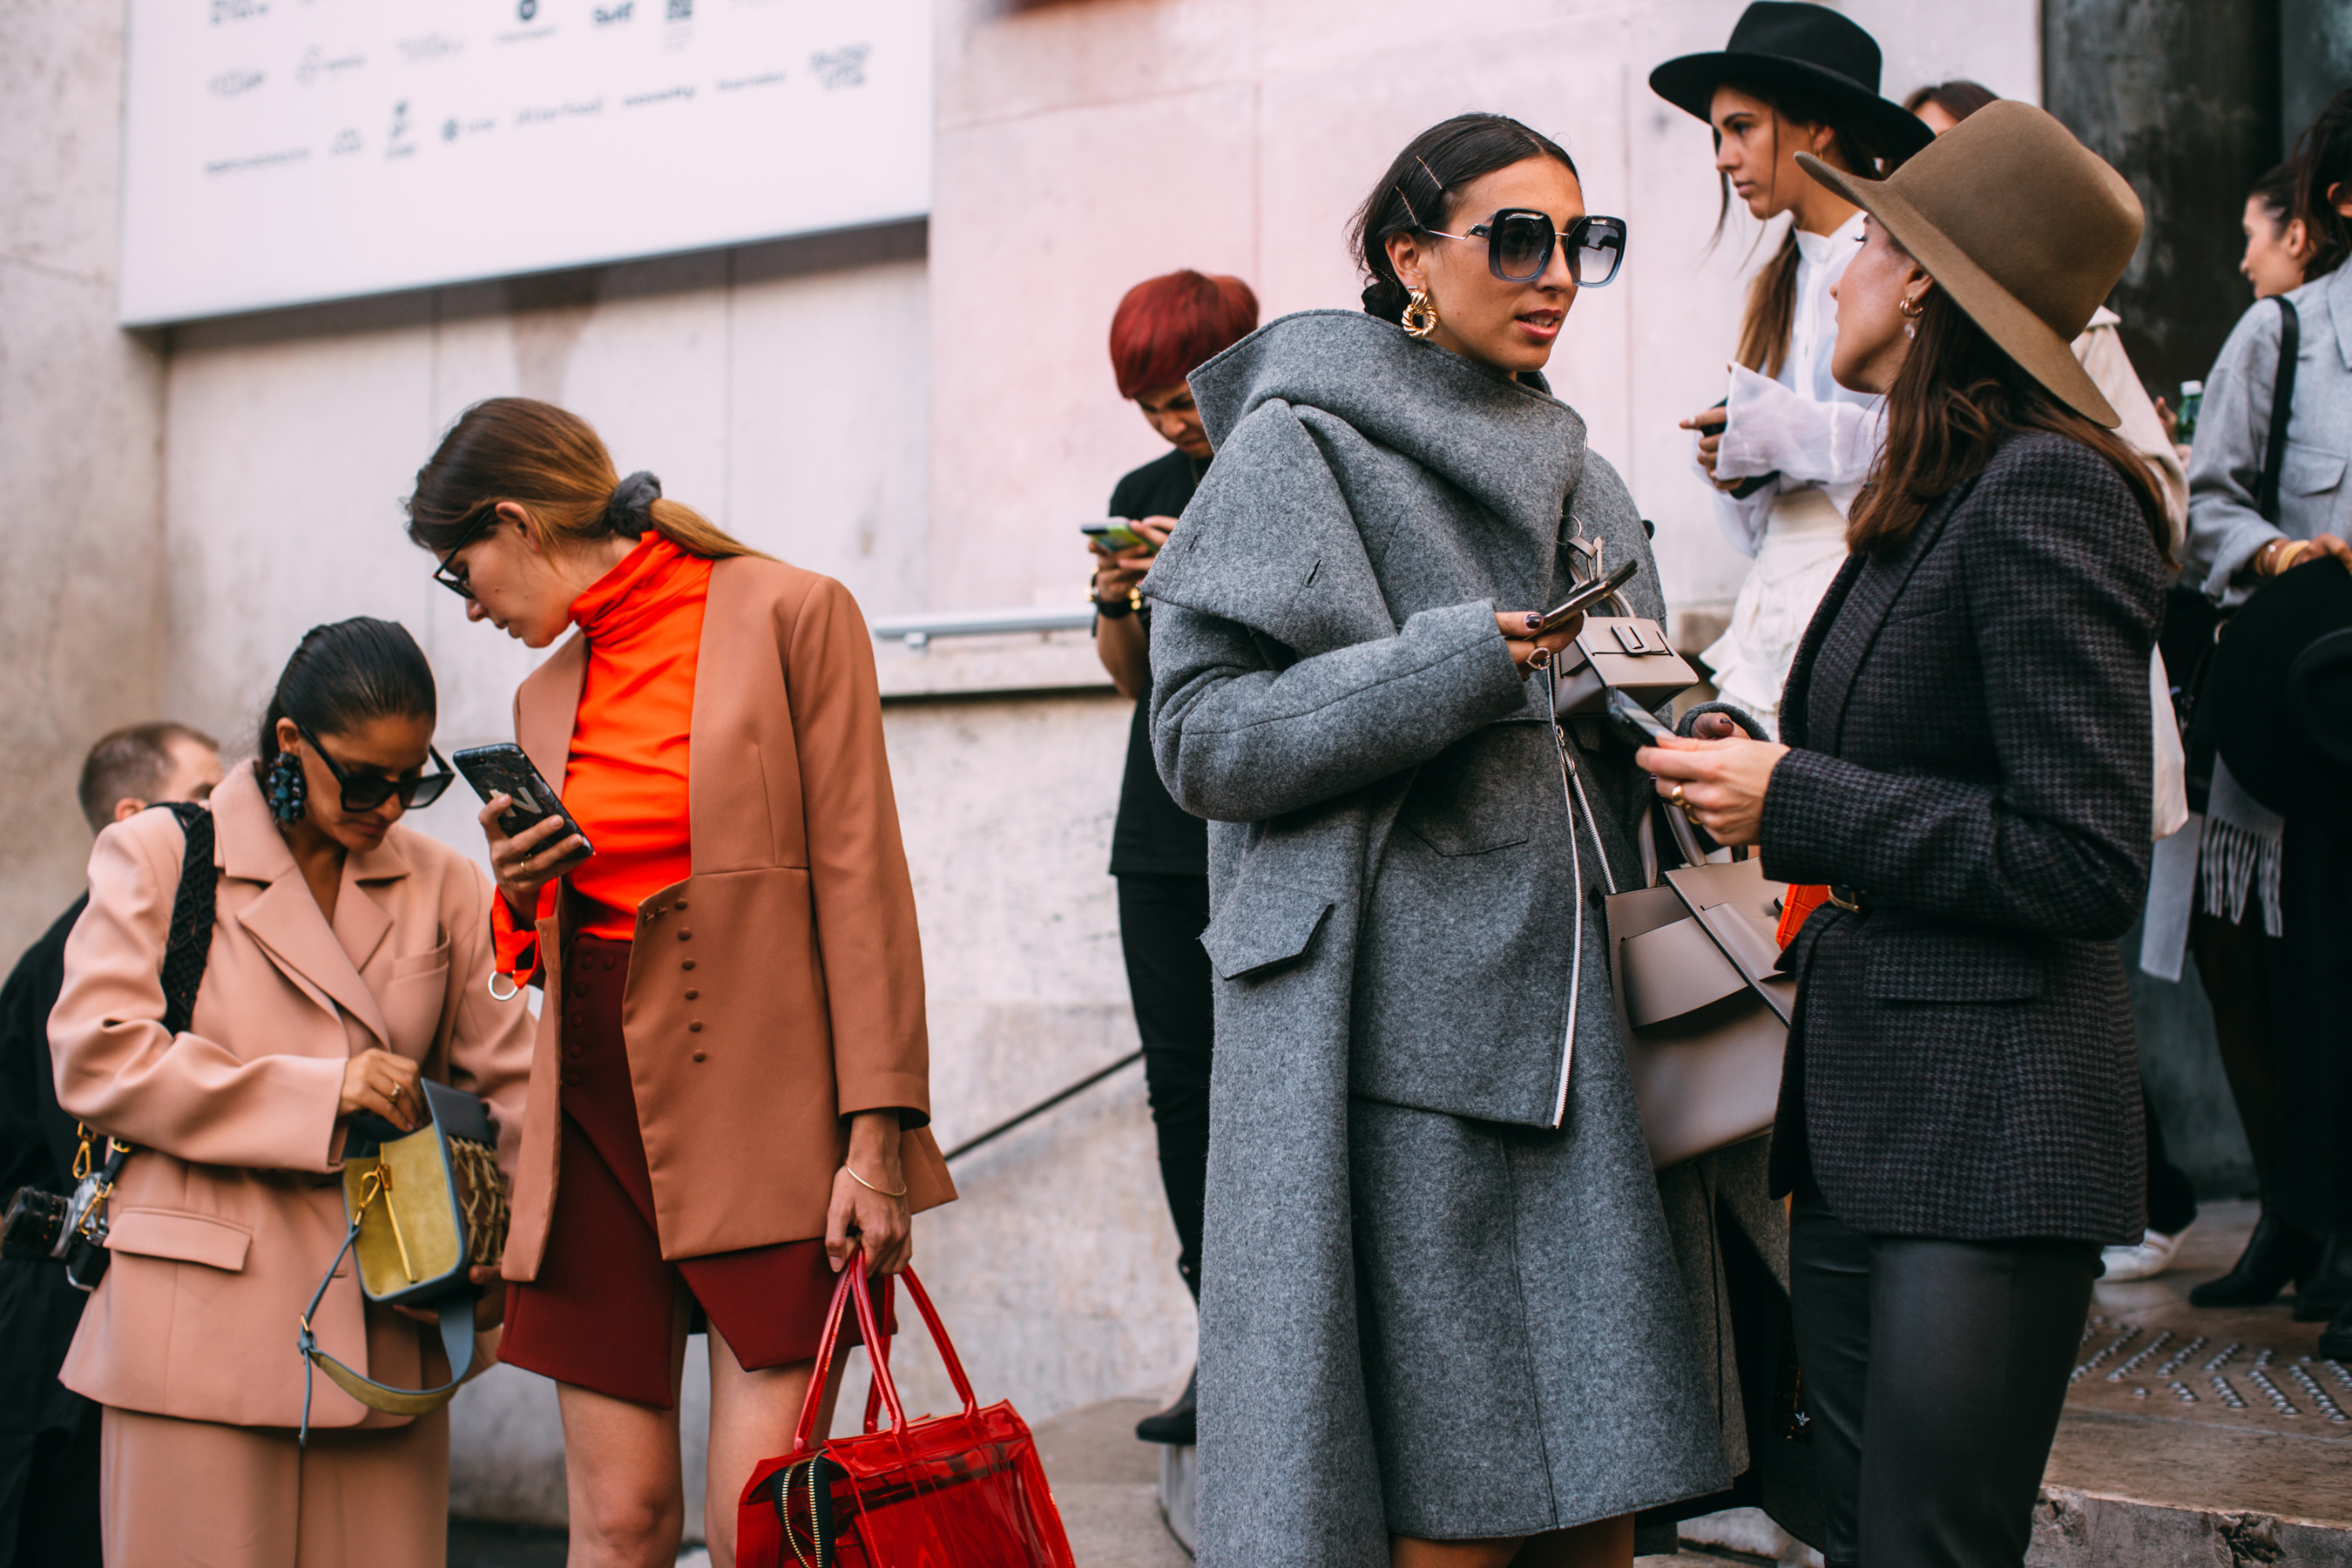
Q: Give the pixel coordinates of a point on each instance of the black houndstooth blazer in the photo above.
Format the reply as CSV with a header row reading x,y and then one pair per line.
x,y
1969,719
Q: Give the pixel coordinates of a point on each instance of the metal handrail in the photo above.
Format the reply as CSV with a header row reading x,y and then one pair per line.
x,y
1042,1106
915,631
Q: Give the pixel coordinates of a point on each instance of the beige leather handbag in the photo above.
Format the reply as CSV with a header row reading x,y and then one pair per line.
x,y
1627,652
1704,1015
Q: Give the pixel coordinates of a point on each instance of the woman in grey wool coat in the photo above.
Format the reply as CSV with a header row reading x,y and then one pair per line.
x,y
1443,1321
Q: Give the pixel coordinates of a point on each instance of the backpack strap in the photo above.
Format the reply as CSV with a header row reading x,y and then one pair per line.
x,y
2266,488
191,942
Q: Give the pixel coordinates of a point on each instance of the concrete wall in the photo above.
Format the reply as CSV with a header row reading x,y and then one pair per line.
x,y
80,433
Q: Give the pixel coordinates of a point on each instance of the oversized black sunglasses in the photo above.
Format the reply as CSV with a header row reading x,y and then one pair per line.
x,y
366,791
1519,241
456,581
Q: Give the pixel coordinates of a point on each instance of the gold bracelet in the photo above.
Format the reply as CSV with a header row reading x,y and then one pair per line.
x,y
2288,554
868,1185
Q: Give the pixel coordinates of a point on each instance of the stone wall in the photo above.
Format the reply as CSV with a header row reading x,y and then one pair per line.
x,y
81,439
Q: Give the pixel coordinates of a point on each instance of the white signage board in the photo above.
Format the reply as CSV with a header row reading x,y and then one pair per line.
x,y
277,151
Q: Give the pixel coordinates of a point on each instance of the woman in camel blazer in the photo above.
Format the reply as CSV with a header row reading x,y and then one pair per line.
x,y
350,957
731,1081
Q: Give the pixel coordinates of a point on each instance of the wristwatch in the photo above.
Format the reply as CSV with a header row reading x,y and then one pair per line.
x,y
1118,609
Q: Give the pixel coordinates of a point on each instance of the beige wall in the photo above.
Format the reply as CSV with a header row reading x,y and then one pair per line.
x,y
81,431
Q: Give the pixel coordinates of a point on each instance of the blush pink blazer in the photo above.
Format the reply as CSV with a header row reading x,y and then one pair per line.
x,y
232,1208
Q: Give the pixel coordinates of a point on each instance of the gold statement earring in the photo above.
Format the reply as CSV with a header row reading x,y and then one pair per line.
x,y
1912,311
1420,313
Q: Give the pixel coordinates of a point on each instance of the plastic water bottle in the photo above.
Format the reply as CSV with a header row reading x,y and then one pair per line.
x,y
2192,397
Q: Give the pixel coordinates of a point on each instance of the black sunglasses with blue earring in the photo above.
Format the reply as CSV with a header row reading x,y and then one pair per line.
x,y
287,788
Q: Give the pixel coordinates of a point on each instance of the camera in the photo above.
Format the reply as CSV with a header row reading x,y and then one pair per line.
x,y
41,1224
35,1224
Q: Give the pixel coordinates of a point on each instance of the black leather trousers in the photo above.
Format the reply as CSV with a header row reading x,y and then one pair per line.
x,y
1934,1373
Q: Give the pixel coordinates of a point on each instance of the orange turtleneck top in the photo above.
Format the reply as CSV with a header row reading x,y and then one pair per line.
x,y
625,784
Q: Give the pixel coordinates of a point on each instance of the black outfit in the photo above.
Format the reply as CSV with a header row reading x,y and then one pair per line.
x,y
48,1434
1960,1113
2172,1195
1159,853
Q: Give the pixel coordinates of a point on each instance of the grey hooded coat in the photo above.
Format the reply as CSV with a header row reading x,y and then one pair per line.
x,y
1439,1295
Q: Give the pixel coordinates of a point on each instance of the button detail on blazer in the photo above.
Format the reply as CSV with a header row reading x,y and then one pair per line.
x,y
572,1080
688,965
685,936
694,1028
701,1056
692,995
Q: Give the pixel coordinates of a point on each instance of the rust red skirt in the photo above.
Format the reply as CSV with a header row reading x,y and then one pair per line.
x,y
599,1316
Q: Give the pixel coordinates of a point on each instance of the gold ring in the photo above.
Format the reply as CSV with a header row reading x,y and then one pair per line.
x,y
393,1093
1675,794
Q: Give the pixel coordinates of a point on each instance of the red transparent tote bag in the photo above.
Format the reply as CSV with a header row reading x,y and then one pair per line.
x,y
964,1490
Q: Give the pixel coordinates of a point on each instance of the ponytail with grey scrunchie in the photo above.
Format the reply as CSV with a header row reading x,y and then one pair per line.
x,y
630,511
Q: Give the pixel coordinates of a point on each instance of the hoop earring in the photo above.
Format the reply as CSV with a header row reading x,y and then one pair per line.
x,y
287,788
1911,310
1420,317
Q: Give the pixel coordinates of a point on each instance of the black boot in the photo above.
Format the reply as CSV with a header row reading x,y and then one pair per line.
x,y
2335,1340
2324,1293
1180,1422
2276,1254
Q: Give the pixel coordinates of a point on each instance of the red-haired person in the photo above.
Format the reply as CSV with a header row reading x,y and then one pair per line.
x,y
1159,854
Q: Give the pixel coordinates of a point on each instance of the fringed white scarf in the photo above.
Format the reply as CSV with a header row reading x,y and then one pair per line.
x,y
2243,844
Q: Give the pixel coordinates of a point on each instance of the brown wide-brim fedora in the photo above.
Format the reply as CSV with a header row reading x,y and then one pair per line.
x,y
2027,229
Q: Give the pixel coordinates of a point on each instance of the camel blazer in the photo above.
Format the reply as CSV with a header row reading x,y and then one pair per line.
x,y
232,1208
779,987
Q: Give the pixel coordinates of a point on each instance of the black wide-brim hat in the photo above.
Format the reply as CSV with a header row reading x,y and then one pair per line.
x,y
2281,687
1781,43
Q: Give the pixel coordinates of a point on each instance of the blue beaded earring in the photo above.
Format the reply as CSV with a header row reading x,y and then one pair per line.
x,y
287,788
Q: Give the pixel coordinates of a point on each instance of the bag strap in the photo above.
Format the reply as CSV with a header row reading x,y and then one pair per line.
x,y
456,1309
2266,488
854,1290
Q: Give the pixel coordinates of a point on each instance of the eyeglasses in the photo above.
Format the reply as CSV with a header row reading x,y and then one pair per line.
x,y
1519,241
457,580
366,791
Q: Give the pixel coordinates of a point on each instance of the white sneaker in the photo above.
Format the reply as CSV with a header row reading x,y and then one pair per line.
x,y
2151,1257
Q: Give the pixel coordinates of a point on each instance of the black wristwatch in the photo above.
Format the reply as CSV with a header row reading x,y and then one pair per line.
x,y
1119,609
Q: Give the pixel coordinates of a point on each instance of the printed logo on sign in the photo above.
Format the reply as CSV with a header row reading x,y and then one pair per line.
x,y
233,83
347,141
317,62
431,47
526,10
396,144
844,67
606,15
680,11
238,10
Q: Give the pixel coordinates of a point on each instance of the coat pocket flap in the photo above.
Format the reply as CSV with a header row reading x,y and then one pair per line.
x,y
1673,969
2307,471
1261,925
181,1237
1951,965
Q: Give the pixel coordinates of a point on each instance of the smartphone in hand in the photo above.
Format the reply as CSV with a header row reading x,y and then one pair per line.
x,y
1636,724
1586,595
1115,535
505,769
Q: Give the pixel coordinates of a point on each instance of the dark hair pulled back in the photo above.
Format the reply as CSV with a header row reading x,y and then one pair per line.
x,y
1420,188
2275,191
2322,165
343,675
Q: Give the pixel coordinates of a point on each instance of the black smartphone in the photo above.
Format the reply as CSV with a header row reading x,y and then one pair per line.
x,y
504,769
1635,723
1116,535
1585,597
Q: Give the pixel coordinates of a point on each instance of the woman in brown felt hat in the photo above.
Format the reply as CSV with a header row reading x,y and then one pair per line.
x,y
1966,779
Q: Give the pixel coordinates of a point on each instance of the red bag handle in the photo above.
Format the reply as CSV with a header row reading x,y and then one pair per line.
x,y
854,1290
